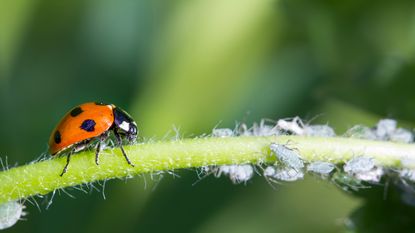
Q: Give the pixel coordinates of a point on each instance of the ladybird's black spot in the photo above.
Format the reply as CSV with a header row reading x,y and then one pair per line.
x,y
57,137
88,125
76,111
101,103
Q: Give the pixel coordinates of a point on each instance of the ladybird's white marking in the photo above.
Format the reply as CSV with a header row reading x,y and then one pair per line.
x,y
222,132
323,168
125,126
287,156
10,213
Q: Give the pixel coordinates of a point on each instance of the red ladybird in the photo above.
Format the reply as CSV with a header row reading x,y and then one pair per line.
x,y
88,122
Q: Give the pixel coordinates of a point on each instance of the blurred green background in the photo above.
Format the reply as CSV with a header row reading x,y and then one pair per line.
x,y
196,64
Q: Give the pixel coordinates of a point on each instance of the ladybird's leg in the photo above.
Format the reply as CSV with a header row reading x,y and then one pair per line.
x,y
68,159
97,152
102,138
119,141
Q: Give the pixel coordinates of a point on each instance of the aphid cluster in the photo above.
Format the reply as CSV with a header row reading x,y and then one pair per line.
x,y
290,166
385,130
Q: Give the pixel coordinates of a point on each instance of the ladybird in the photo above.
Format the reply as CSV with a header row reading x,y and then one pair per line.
x,y
90,122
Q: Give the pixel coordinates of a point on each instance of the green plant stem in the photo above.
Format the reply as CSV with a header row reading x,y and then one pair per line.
x,y
43,177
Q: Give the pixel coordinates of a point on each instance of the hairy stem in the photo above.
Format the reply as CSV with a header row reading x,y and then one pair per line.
x,y
43,177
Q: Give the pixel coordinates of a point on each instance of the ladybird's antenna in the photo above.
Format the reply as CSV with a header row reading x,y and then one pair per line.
x,y
119,141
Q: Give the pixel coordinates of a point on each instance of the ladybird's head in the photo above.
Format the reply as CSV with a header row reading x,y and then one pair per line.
x,y
125,124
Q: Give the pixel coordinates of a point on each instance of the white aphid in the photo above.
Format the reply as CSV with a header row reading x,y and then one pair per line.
x,y
373,175
360,131
10,213
323,168
384,128
297,127
294,126
287,156
359,165
401,135
319,131
283,173
269,171
264,129
222,132
364,168
237,173
261,129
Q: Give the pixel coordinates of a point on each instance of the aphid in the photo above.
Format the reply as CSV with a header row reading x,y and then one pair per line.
x,y
10,213
323,168
384,128
360,131
319,131
401,135
295,126
283,173
222,132
373,175
359,165
287,156
269,171
264,129
237,173
89,122
363,168
261,129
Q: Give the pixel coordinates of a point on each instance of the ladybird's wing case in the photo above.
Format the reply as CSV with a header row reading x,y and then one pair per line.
x,y
84,122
